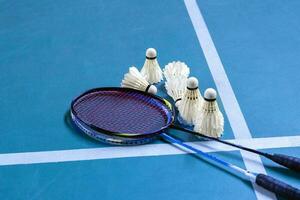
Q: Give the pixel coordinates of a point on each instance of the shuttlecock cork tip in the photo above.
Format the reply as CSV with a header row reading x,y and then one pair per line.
x,y
152,89
151,53
210,94
177,103
192,83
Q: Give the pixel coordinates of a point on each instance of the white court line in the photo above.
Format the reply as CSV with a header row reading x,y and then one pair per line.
x,y
139,151
231,106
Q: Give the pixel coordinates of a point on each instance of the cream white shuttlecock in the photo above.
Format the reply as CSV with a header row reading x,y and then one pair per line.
x,y
151,69
210,120
176,74
191,102
135,80
176,87
176,68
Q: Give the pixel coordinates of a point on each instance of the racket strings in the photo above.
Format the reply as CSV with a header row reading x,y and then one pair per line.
x,y
111,139
122,112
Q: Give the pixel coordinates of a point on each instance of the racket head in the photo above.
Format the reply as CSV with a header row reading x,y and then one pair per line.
x,y
121,115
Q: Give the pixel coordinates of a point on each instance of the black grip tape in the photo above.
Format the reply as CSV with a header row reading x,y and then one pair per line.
x,y
287,161
278,187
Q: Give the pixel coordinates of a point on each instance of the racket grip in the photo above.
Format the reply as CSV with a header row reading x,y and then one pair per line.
x,y
277,187
287,161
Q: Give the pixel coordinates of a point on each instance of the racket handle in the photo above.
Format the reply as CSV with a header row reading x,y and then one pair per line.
x,y
287,161
277,187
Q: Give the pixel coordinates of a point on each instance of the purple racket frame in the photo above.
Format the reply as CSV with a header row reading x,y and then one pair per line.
x,y
119,138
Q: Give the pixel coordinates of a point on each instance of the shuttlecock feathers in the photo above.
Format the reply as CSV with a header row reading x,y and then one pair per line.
x,y
210,120
135,80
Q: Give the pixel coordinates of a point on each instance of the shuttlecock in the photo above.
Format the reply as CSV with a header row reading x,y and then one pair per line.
x,y
176,69
210,120
151,69
176,74
176,87
135,80
191,102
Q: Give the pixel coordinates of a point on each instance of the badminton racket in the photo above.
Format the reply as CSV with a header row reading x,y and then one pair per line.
x,y
283,160
130,117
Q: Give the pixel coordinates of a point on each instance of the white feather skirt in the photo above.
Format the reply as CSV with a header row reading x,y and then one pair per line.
x,y
151,71
210,120
134,79
190,105
176,87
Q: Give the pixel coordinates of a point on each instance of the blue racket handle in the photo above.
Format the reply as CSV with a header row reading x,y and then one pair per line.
x,y
277,187
287,161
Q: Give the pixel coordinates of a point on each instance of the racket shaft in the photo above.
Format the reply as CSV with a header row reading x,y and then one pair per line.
x,y
267,182
208,156
290,162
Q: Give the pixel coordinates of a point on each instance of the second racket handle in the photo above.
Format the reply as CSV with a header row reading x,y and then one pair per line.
x,y
278,187
287,161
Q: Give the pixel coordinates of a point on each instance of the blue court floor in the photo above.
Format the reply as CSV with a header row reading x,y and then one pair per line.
x,y
51,51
